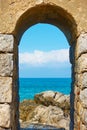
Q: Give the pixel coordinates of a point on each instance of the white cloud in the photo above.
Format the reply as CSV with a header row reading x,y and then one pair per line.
x,y
40,58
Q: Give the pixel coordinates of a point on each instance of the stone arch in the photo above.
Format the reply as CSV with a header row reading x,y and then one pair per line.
x,y
60,15
47,13
52,14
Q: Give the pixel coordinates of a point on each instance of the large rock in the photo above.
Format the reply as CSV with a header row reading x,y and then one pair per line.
x,y
51,115
53,98
48,115
49,108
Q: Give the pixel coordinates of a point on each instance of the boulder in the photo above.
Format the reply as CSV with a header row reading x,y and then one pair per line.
x,y
47,108
48,115
51,115
55,99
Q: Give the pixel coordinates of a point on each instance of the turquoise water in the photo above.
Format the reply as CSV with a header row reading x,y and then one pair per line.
x,y
30,86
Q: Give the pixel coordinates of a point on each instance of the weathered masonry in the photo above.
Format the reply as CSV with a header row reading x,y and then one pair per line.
x,y
18,15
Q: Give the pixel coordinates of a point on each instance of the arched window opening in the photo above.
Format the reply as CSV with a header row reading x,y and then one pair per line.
x,y
45,77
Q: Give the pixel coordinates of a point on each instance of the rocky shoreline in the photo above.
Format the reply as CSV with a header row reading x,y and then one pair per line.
x,y
48,109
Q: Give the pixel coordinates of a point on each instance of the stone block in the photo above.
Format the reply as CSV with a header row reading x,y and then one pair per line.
x,y
81,64
5,89
84,117
83,97
84,80
81,46
5,115
6,64
81,80
6,43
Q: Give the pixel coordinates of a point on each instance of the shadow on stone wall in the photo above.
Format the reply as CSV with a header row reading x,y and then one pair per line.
x,y
72,95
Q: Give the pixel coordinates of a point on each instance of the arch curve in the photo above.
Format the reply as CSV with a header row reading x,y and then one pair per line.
x,y
47,13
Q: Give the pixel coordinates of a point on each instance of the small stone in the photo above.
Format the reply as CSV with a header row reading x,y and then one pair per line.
x,y
64,123
5,115
84,80
81,64
84,117
81,80
83,97
81,44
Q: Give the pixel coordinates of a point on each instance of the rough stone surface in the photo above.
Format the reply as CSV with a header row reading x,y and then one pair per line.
x,y
81,64
51,115
83,127
81,46
44,113
6,64
5,89
64,123
84,80
53,98
81,80
48,113
83,97
6,43
5,115
10,11
84,117
26,108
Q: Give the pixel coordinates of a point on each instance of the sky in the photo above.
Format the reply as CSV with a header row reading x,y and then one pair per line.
x,y
44,53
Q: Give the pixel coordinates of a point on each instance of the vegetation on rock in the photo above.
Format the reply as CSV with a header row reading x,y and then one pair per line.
x,y
48,108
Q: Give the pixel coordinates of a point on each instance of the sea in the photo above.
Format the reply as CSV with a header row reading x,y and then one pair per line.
x,y
28,87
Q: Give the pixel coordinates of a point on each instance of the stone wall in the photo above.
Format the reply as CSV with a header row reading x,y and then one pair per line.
x,y
8,85
80,89
15,17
